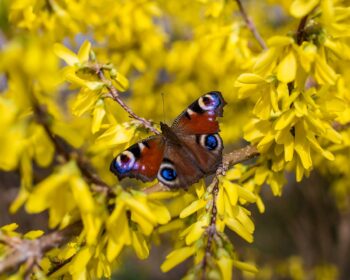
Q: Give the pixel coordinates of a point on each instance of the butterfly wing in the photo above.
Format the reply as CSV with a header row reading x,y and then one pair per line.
x,y
178,168
188,150
201,116
141,160
206,149
197,128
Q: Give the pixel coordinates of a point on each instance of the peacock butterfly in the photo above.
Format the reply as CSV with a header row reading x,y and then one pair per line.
x,y
185,152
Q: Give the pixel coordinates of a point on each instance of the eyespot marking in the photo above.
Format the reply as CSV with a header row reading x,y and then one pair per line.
x,y
209,102
124,162
167,173
211,142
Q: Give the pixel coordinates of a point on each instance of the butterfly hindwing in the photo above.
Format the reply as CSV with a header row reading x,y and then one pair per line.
x,y
178,168
207,150
141,160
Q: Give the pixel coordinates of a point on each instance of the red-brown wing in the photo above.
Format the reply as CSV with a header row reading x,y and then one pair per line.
x,y
178,168
201,116
141,160
206,149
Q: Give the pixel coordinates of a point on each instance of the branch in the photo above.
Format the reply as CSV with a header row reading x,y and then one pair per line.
x,y
68,153
239,155
211,229
300,34
301,30
251,26
115,95
340,127
230,159
31,251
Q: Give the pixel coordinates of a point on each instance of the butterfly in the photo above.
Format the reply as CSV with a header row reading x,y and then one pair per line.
x,y
185,152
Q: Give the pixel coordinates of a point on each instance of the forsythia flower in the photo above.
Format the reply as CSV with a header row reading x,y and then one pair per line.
x,y
68,186
229,213
291,122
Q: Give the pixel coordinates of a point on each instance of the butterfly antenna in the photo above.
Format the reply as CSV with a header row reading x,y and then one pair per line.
x,y
163,106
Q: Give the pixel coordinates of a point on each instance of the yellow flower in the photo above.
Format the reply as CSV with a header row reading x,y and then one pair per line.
x,y
242,230
176,257
70,57
134,217
300,8
245,266
225,265
66,185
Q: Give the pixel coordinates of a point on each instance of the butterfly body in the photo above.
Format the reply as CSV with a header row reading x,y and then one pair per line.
x,y
184,153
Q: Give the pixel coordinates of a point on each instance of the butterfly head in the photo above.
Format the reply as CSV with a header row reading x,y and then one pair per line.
x,y
169,134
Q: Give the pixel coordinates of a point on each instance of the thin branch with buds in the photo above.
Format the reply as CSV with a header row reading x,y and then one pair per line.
x,y
229,159
211,229
115,95
30,252
251,26
67,153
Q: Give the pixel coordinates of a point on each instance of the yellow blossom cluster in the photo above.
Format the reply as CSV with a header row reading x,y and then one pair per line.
x,y
294,87
226,199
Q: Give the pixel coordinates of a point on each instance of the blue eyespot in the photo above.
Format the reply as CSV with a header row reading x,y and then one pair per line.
x,y
209,101
168,174
124,162
211,142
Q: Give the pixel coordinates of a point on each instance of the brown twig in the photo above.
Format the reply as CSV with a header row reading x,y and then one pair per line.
x,y
300,34
211,229
115,95
240,155
251,26
67,152
31,251
301,30
229,159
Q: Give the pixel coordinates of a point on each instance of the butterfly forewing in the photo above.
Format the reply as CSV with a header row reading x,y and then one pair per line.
x,y
201,116
141,160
